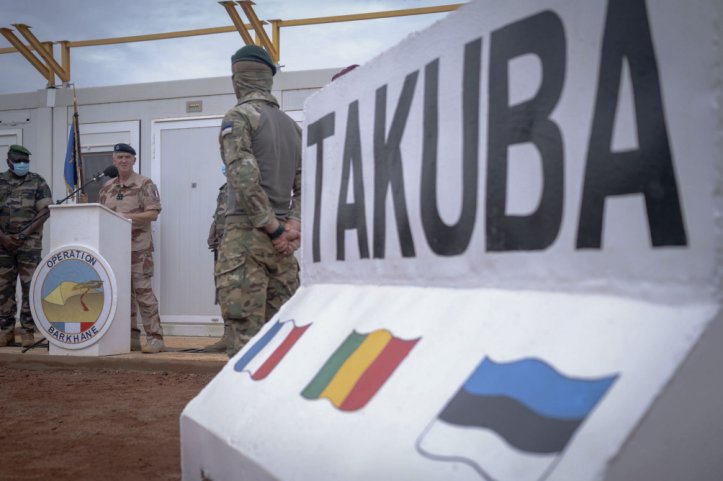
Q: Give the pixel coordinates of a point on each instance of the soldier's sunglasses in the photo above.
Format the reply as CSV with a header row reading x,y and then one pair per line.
x,y
16,159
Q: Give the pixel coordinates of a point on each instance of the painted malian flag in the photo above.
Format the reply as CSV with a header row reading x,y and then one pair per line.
x,y
268,351
358,368
510,421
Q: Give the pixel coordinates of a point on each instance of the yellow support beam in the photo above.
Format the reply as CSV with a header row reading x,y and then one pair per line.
x,y
51,75
371,15
48,57
276,39
65,56
232,28
152,36
238,23
247,7
141,38
273,45
25,51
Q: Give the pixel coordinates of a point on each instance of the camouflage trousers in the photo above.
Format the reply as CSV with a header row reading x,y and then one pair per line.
x,y
21,263
143,299
253,281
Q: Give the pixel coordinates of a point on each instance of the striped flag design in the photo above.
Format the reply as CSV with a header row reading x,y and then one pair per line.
x,y
510,421
358,368
268,351
72,327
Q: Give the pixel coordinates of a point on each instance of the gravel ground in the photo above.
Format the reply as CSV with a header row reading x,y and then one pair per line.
x,y
84,423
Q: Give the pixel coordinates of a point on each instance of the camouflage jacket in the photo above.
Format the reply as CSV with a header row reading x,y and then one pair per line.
x,y
20,199
261,147
215,233
220,214
137,194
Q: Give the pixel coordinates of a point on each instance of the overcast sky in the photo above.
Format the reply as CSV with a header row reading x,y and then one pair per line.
x,y
302,48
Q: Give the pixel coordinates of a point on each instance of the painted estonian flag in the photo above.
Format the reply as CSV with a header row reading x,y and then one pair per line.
x,y
510,421
358,368
268,351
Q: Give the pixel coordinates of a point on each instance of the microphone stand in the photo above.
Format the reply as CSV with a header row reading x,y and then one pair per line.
x,y
95,178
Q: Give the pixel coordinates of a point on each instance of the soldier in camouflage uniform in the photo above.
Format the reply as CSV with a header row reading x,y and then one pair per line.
x,y
136,197
24,201
256,272
215,234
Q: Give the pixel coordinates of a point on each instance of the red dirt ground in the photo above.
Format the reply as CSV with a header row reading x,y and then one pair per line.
x,y
84,424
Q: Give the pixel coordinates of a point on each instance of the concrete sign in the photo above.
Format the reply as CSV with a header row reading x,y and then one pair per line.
x,y
552,134
511,248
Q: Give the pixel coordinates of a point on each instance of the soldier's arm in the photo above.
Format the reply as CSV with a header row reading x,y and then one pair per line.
x,y
37,222
43,199
214,233
212,240
295,212
244,175
140,217
150,203
6,241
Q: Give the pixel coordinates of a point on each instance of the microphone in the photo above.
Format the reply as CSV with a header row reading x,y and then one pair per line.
x,y
111,172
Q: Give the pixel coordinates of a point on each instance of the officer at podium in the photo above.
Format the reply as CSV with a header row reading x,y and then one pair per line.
x,y
136,197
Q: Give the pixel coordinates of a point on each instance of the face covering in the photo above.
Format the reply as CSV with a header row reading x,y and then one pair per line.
x,y
223,169
21,168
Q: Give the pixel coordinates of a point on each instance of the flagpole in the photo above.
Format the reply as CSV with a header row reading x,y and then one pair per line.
x,y
76,153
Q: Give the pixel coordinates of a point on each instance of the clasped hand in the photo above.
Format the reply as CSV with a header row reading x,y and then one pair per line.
x,y
10,243
289,241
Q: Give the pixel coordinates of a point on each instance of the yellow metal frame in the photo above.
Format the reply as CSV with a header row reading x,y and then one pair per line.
x,y
25,51
263,38
45,63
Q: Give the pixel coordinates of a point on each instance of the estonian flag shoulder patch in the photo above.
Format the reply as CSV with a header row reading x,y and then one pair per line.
x,y
226,128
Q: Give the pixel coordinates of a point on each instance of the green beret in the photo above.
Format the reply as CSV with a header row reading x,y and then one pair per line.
x,y
19,149
254,53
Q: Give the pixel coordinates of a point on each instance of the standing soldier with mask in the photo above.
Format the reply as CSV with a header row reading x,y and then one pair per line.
x,y
256,272
24,201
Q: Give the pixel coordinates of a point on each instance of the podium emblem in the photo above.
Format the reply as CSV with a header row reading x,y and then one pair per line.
x,y
73,297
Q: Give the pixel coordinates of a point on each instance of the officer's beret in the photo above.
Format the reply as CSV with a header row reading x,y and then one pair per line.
x,y
19,149
124,148
254,53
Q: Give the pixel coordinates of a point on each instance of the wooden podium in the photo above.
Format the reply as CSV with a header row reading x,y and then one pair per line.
x,y
80,292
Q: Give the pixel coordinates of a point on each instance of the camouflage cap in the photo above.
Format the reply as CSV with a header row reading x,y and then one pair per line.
x,y
254,53
19,149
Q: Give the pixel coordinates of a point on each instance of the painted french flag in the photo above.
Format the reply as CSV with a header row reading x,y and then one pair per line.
x,y
510,421
72,327
268,351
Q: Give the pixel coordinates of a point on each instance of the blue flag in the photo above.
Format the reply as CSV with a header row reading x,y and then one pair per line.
x,y
71,161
